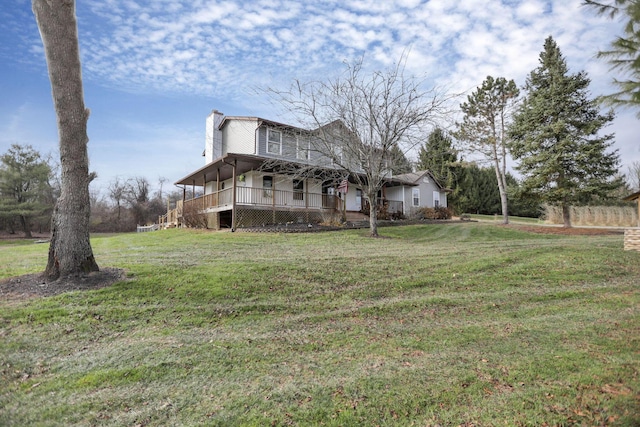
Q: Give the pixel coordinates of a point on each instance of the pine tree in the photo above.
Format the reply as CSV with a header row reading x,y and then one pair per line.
x,y
486,116
438,156
624,52
399,162
25,191
556,136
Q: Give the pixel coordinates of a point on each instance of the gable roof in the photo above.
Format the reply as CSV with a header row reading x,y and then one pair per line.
x,y
260,121
412,178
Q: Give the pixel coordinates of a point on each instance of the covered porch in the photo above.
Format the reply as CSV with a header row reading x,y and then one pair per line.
x,y
230,201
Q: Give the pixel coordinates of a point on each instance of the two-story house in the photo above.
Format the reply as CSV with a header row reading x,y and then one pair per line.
x,y
258,171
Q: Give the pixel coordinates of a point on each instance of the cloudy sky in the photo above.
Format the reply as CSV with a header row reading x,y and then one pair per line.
x,y
154,69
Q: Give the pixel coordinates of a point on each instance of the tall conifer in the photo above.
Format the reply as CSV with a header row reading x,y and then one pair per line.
x,y
556,136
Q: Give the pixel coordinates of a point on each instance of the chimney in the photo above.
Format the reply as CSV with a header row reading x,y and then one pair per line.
x,y
213,136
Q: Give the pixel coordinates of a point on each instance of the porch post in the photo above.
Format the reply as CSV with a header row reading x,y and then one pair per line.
x,y
306,198
233,197
204,190
273,200
216,201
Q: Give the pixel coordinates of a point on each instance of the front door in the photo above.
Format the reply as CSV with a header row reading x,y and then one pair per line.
x,y
359,198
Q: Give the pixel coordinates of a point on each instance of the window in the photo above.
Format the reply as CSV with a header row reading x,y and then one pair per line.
x,y
436,199
302,148
267,185
298,189
274,141
415,195
337,155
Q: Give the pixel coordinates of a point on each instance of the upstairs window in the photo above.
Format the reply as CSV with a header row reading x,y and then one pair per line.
x,y
302,148
274,141
337,155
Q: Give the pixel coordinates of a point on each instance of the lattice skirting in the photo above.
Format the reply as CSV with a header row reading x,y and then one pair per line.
x,y
247,217
252,217
632,239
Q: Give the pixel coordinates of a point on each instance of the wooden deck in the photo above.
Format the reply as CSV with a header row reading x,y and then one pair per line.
x,y
258,198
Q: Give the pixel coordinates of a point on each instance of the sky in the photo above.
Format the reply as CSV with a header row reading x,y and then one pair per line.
x,y
154,69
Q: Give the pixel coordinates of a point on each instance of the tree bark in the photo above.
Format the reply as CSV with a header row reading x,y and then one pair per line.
x,y
566,215
373,214
502,188
26,227
70,250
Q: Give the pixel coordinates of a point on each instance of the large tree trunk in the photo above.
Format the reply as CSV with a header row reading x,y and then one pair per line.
x,y
70,250
566,215
502,186
373,214
26,226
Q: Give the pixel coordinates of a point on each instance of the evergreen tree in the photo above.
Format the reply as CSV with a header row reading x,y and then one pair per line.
x,y
555,135
399,162
477,191
438,156
486,115
624,52
25,191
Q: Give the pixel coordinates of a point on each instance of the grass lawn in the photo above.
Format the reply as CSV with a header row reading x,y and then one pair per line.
x,y
456,324
513,219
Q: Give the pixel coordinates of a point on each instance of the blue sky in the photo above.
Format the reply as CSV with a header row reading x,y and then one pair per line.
x,y
154,69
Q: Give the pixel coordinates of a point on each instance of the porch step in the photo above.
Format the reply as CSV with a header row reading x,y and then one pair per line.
x,y
353,216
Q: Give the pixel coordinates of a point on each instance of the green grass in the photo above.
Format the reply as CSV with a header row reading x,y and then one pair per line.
x,y
429,325
514,219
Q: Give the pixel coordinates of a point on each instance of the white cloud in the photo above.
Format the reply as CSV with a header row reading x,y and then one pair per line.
x,y
223,48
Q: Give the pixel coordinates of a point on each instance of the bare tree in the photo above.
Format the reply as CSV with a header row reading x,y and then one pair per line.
x,y
137,195
117,192
161,181
70,250
633,178
361,120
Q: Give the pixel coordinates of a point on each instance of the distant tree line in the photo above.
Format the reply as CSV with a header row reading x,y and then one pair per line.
x,y
30,185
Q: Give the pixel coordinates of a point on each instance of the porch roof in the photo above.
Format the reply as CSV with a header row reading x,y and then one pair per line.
x,y
208,173
247,162
632,197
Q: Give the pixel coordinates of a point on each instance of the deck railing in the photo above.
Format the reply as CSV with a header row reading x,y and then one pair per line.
x,y
170,219
266,197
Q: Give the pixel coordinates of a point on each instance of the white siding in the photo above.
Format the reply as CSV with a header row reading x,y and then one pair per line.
x,y
238,136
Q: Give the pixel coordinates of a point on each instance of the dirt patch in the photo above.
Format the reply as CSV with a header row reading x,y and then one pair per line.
x,y
34,285
573,231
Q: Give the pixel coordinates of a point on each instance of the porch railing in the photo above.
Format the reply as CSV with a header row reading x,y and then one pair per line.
x,y
264,197
385,206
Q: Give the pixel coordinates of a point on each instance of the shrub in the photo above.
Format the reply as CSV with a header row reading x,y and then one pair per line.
x,y
439,212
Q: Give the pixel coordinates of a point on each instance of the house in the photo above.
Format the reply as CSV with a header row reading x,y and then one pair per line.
x,y
259,171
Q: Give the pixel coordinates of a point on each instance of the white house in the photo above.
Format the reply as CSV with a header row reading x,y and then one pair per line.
x,y
253,176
